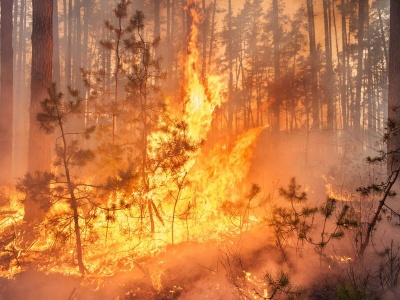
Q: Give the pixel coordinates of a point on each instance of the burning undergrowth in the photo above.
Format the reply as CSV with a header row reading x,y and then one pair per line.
x,y
181,191
179,219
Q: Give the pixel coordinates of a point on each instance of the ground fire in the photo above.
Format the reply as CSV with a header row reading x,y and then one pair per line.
x,y
240,149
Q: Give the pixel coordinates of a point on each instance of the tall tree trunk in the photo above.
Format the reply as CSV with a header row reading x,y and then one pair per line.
x,y
157,18
39,158
370,83
6,91
210,50
231,104
65,44
330,77
362,4
86,12
343,88
169,43
68,61
20,153
56,49
277,69
313,64
173,34
204,27
15,35
382,36
78,50
394,79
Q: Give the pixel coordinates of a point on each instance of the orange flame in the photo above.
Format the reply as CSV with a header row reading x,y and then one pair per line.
x,y
190,211
199,105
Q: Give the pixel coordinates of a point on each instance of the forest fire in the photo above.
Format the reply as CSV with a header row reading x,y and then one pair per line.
x,y
183,205
176,150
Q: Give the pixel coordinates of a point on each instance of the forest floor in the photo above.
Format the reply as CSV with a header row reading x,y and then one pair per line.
x,y
211,270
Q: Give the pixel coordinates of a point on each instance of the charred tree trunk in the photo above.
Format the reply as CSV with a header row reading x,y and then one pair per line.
x,y
6,91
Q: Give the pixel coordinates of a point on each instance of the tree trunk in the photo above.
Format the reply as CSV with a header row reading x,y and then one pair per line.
x,y
173,57
78,50
39,158
394,79
277,70
169,42
330,77
360,40
86,12
157,18
21,102
343,88
68,61
370,82
204,27
230,70
56,49
313,65
15,35
210,50
6,91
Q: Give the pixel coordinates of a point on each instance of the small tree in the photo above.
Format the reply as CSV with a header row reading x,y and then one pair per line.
x,y
61,185
301,222
384,189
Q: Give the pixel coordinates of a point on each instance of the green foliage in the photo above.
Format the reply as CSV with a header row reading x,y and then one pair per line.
x,y
61,185
37,187
293,193
172,153
123,180
121,10
328,208
56,112
308,224
280,285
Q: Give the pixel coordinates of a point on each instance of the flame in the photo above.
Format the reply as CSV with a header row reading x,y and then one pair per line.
x,y
199,105
187,205
341,259
335,191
